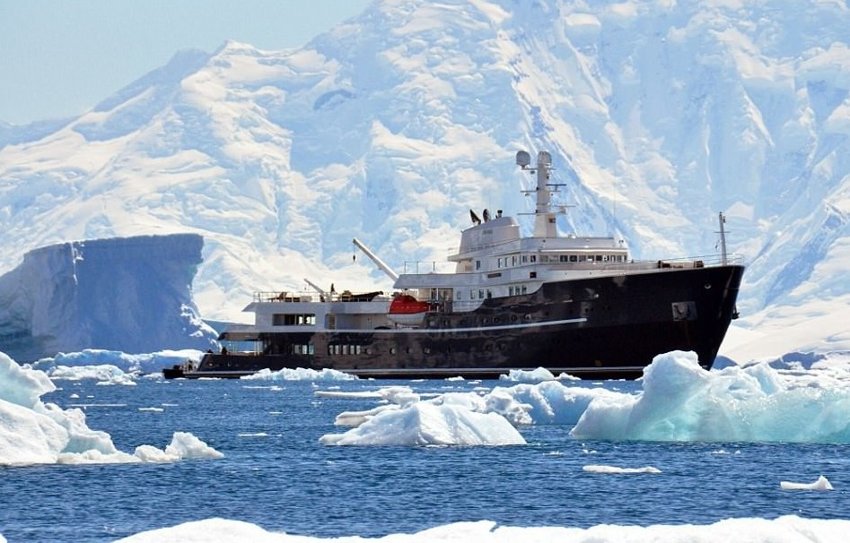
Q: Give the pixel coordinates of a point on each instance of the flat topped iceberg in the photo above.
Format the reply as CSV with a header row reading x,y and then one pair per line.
x,y
129,294
681,401
34,432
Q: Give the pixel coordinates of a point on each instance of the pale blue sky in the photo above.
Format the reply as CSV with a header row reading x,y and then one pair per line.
x,y
61,57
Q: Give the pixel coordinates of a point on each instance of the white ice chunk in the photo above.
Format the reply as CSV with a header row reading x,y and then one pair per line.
x,y
148,363
822,483
34,432
424,423
103,373
300,374
535,376
593,468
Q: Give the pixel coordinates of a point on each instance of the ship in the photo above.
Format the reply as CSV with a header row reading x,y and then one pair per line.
x,y
567,303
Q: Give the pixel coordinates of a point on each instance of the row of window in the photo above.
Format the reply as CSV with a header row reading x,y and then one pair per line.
x,y
358,349
513,290
583,258
508,261
345,349
514,260
287,319
304,349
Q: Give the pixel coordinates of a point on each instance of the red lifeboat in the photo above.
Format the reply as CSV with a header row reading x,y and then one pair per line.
x,y
405,309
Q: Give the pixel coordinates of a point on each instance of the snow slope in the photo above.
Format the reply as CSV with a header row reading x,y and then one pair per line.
x,y
392,125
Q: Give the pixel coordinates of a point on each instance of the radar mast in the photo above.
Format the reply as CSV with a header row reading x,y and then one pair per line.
x,y
545,225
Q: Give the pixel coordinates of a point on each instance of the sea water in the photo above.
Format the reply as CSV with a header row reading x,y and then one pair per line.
x,y
276,474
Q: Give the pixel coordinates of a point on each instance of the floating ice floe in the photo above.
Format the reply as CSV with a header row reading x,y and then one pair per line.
x,y
543,403
34,432
538,375
681,401
300,374
822,483
615,469
447,419
753,530
104,374
147,363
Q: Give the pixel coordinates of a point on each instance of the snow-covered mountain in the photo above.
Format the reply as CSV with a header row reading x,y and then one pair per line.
x,y
390,127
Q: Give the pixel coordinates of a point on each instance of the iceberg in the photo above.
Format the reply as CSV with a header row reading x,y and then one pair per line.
x,y
414,422
680,401
299,374
822,483
35,432
593,468
126,294
102,373
428,424
141,363
535,376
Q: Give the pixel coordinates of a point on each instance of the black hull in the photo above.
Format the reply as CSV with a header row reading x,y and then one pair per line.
x,y
599,328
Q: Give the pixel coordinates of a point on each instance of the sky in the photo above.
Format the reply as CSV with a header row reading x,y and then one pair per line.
x,y
59,58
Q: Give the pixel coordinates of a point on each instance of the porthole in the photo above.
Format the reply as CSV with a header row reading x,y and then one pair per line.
x,y
707,286
392,350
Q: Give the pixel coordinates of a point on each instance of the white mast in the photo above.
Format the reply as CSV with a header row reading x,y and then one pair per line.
x,y
722,219
545,225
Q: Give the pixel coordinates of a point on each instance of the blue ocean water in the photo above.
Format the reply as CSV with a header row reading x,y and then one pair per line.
x,y
277,475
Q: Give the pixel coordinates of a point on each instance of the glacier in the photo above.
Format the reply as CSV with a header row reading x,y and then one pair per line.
x,y
397,121
125,294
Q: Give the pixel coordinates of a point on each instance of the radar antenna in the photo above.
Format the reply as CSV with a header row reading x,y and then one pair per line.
x,y
545,225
